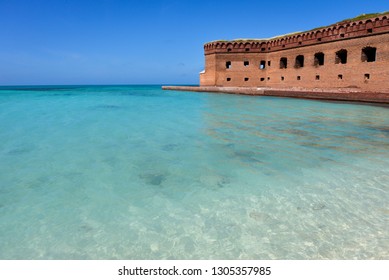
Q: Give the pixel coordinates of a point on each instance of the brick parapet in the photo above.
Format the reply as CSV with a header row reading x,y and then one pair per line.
x,y
336,32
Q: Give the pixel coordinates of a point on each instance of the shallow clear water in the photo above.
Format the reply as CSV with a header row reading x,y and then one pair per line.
x,y
140,173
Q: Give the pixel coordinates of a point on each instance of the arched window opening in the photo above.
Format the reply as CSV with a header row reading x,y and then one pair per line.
x,y
262,64
299,61
369,26
228,64
319,59
369,54
341,31
283,63
341,57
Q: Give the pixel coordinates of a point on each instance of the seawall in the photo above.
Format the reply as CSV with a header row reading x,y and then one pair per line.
x,y
336,94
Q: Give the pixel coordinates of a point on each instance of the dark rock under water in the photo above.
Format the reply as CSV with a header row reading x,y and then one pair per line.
x,y
155,179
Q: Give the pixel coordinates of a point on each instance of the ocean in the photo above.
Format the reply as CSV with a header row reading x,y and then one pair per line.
x,y
134,172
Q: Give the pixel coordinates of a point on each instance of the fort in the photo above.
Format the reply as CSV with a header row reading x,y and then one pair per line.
x,y
348,60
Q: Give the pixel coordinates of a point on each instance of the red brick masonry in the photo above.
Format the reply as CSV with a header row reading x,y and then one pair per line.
x,y
351,54
340,94
346,61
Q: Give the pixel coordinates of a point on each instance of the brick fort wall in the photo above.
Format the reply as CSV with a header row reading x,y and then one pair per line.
x,y
352,54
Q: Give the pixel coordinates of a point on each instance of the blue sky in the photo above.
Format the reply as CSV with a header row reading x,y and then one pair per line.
x,y
48,42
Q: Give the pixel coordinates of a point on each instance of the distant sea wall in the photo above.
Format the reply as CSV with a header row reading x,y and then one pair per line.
x,y
339,94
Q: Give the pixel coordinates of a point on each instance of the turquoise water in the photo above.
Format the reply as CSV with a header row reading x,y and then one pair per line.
x,y
139,173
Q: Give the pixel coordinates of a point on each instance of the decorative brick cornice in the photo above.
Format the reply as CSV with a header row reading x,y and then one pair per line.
x,y
339,31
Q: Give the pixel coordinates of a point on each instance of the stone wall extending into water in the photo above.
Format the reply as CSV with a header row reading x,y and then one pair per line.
x,y
322,93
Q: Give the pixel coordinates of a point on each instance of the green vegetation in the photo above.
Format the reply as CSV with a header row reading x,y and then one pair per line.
x,y
357,18
360,17
237,41
364,16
